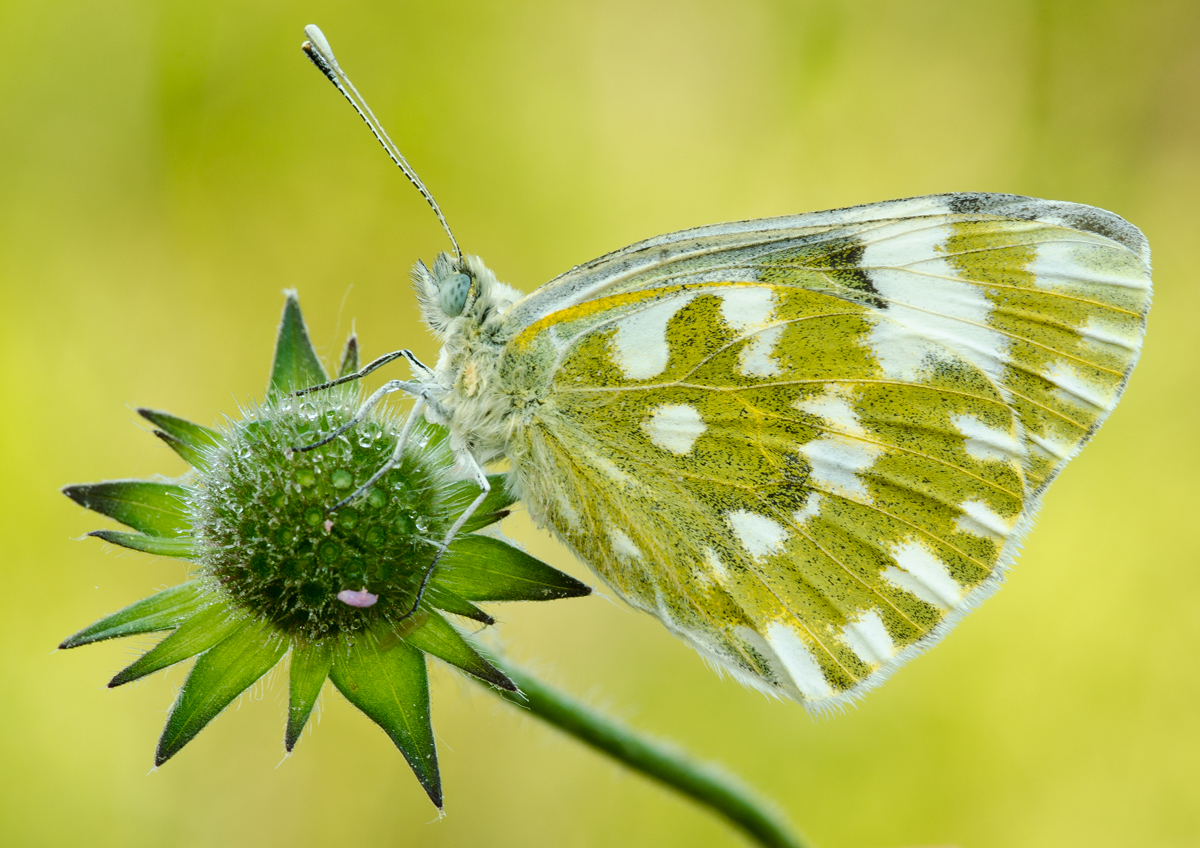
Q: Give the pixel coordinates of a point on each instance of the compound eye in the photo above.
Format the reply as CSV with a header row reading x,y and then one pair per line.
x,y
452,294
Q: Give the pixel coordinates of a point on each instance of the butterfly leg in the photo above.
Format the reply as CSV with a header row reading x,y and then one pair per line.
x,y
479,476
416,364
422,397
415,389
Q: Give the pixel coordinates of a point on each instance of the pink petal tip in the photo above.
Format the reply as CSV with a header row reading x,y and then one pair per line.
x,y
360,598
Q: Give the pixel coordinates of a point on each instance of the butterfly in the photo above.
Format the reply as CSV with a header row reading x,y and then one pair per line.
x,y
807,444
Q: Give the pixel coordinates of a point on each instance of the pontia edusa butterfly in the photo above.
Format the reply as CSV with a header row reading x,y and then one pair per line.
x,y
807,444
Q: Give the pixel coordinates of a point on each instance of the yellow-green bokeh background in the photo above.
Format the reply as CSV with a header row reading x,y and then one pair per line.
x,y
168,167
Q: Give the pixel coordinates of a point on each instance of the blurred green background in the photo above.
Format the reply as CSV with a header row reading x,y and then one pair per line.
x,y
169,167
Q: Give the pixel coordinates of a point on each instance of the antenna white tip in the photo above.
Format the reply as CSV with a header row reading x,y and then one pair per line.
x,y
319,43
319,52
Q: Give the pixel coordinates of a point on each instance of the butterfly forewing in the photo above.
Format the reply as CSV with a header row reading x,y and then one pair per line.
x,y
809,444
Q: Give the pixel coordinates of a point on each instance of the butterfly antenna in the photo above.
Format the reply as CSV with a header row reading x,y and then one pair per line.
x,y
321,54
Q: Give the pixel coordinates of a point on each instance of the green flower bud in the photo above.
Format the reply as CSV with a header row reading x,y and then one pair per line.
x,y
292,560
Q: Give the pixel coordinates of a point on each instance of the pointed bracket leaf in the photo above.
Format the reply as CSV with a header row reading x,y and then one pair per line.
x,y
189,454
199,633
222,673
165,610
296,364
439,638
181,546
447,601
308,672
349,357
190,441
480,568
392,688
157,509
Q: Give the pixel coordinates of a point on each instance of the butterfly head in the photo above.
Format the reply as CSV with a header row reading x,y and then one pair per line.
x,y
459,288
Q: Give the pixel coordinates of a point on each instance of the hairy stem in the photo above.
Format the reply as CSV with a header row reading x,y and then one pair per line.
x,y
705,783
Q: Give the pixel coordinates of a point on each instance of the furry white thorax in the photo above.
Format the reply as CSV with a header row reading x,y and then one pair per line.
x,y
466,379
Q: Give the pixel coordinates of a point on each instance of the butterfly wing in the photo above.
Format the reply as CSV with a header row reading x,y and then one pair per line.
x,y
810,444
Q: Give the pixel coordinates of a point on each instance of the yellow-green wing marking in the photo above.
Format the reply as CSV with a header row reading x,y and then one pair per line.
x,y
808,449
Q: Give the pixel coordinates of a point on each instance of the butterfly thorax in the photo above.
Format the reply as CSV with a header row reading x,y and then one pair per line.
x,y
467,374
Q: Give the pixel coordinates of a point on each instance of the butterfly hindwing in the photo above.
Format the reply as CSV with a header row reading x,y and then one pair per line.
x,y
808,445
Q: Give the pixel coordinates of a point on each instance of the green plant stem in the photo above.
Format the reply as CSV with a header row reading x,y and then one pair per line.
x,y
706,784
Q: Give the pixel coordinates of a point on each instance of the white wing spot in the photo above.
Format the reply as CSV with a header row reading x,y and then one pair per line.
x,y
836,462
759,535
715,567
798,661
901,353
923,574
1094,330
640,346
984,442
837,458
747,307
812,505
606,465
565,507
623,545
979,519
901,245
675,427
1061,264
833,407
869,639
663,611
926,313
1074,388
756,358
1057,448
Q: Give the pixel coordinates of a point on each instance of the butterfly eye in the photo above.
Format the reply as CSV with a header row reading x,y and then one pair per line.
x,y
452,294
